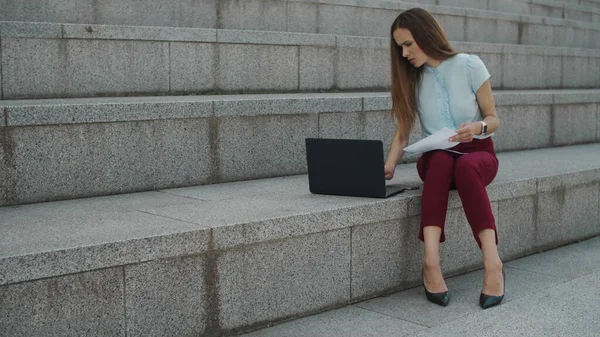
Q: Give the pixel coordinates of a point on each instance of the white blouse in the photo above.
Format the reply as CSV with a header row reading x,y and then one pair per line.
x,y
447,93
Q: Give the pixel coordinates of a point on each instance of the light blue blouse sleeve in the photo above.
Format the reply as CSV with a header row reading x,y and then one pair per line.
x,y
478,73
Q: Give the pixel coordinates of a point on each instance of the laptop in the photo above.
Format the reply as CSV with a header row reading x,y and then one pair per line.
x,y
348,167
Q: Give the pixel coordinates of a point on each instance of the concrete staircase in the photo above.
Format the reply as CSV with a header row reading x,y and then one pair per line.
x,y
101,98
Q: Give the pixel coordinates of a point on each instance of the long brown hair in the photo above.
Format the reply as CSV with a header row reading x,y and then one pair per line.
x,y
405,77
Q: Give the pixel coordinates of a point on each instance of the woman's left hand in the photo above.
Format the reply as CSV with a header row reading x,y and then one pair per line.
x,y
465,132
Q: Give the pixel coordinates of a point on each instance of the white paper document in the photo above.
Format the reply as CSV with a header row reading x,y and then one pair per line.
x,y
437,141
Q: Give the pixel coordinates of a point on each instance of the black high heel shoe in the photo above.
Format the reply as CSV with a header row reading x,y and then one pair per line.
x,y
437,298
487,301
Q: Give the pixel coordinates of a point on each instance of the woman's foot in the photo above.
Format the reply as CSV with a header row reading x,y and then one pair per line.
x,y
433,280
493,280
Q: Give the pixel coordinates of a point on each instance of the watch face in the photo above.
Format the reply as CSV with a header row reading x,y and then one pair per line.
x,y
485,129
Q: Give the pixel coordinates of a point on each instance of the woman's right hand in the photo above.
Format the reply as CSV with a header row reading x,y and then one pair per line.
x,y
389,171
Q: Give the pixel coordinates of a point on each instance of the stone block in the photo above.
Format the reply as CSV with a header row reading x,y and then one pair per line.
x,y
257,68
193,67
342,125
529,71
516,225
302,17
517,123
506,188
279,279
139,33
566,215
82,160
166,297
493,63
486,30
460,251
577,14
580,76
547,10
182,154
350,321
574,124
264,146
252,15
598,123
275,38
381,126
45,11
105,110
89,234
362,68
510,6
29,29
286,104
463,4
163,13
339,20
35,68
86,304
386,256
316,68
375,125
267,218
454,26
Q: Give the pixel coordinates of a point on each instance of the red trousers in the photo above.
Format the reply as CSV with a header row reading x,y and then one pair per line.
x,y
468,173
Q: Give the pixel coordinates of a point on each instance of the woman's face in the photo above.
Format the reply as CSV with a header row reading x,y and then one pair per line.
x,y
410,50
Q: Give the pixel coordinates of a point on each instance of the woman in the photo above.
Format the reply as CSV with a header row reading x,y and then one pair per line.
x,y
445,88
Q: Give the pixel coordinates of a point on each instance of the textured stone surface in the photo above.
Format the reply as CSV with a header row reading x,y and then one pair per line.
x,y
302,17
182,153
256,68
73,31
258,147
518,123
252,15
346,20
88,236
349,321
99,110
580,76
87,304
280,279
185,13
274,38
566,215
166,297
28,29
567,262
286,104
342,125
193,67
516,224
94,159
58,68
485,30
574,124
412,306
361,68
531,71
385,257
316,68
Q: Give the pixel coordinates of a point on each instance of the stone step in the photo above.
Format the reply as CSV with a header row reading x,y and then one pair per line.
x,y
55,61
229,257
361,17
73,148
